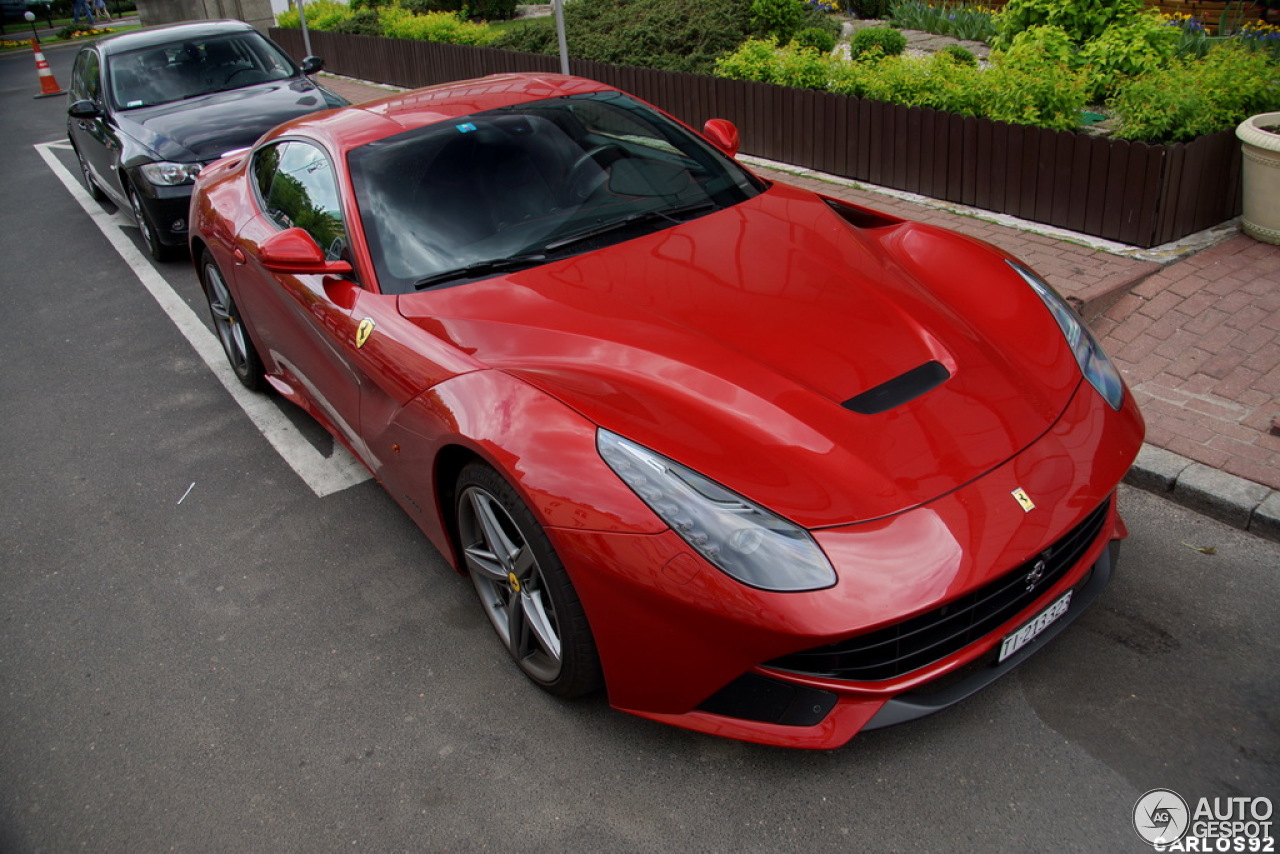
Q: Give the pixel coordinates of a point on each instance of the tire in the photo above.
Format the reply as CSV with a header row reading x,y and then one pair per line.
x,y
229,327
523,587
158,250
91,185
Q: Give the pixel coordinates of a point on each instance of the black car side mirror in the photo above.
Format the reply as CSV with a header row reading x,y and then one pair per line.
x,y
85,109
312,64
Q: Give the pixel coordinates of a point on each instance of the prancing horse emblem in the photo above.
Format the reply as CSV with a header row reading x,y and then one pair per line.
x,y
1024,500
363,331
1036,574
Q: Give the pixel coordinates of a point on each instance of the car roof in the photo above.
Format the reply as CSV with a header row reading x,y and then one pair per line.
x,y
351,127
156,36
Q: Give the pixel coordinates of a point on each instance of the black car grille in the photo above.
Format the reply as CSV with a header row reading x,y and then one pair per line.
x,y
913,643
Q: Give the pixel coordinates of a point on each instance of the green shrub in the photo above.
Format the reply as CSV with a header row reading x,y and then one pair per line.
x,y
1029,85
755,60
937,82
673,35
778,18
823,41
1192,97
960,55
1140,45
1037,48
321,15
876,41
1083,20
400,23
802,68
363,22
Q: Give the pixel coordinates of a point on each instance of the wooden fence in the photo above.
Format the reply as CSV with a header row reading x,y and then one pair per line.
x,y
1133,193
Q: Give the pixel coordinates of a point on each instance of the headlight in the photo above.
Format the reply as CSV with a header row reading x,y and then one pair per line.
x,y
739,537
170,174
1094,364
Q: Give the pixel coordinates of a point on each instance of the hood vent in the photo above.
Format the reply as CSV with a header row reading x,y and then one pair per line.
x,y
899,390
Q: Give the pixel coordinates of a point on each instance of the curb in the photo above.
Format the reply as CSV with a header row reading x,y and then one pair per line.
x,y
1238,502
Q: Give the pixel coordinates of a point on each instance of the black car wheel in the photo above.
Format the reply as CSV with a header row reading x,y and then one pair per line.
x,y
89,184
523,587
158,250
230,328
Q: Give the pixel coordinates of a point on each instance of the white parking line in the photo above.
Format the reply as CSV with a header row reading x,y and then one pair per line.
x,y
325,475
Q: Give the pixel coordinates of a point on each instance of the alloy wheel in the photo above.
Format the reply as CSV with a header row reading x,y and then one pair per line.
x,y
226,321
511,585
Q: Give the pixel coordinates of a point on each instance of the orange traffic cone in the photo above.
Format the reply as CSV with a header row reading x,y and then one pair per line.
x,y
48,85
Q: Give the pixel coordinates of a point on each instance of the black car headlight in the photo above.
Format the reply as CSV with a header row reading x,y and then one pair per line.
x,y
1097,368
741,538
166,174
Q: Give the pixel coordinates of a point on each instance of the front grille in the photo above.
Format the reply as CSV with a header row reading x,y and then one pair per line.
x,y
921,640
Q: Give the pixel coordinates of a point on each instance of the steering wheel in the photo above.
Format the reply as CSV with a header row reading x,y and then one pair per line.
x,y
587,170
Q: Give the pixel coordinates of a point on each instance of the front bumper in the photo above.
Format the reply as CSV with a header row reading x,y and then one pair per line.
x,y
167,208
684,644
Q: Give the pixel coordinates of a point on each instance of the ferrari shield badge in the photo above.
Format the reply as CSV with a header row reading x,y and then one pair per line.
x,y
1024,500
363,331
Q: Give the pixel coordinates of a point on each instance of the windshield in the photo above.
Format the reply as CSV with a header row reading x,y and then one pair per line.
x,y
515,187
187,69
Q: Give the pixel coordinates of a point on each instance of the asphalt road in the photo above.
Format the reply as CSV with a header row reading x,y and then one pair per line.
x,y
242,665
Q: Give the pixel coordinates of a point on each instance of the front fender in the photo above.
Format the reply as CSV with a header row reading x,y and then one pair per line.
x,y
545,449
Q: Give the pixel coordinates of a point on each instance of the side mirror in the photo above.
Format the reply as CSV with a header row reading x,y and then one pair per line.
x,y
85,109
312,64
723,135
295,251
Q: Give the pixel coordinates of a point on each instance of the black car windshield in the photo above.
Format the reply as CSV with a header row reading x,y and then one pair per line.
x,y
512,188
193,67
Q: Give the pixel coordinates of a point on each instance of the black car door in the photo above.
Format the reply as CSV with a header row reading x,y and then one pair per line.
x,y
94,136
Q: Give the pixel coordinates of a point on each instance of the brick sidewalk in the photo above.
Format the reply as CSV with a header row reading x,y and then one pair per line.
x,y
1198,340
1199,344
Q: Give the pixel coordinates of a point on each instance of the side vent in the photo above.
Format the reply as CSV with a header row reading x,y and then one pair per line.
x,y
900,389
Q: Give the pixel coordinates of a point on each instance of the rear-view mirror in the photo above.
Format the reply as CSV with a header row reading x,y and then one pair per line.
x,y
295,251
723,135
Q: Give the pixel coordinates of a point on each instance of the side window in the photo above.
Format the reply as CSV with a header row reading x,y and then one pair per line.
x,y
92,78
297,188
85,77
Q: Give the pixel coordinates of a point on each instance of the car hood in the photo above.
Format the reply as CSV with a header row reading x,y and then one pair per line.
x,y
732,343
206,127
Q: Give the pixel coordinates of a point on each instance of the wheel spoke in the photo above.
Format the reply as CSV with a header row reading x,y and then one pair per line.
x,y
523,564
517,629
503,549
482,561
539,623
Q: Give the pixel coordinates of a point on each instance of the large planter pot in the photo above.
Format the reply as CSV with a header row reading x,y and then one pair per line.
x,y
1261,176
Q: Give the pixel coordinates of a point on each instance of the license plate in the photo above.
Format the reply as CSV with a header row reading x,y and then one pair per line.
x,y
1031,630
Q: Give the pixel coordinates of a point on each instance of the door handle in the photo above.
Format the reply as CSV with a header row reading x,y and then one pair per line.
x,y
238,255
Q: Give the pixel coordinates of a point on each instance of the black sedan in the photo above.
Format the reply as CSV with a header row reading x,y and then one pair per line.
x,y
150,108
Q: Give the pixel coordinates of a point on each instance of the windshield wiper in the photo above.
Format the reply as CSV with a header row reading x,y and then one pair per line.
x,y
482,268
672,215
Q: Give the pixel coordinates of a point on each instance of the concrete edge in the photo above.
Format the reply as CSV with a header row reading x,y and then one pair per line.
x,y
1240,503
